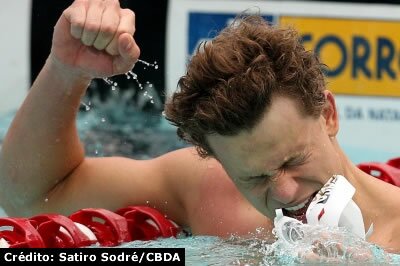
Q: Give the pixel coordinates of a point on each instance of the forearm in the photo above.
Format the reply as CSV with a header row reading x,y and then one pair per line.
x,y
42,145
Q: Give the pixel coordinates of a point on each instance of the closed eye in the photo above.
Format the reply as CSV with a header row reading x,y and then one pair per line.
x,y
296,161
255,181
265,179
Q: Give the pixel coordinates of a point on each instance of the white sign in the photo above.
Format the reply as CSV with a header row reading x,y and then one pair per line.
x,y
14,53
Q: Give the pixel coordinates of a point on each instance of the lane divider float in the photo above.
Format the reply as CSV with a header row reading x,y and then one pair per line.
x,y
388,172
86,227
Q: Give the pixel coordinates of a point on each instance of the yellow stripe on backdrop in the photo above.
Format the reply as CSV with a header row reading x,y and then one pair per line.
x,y
363,56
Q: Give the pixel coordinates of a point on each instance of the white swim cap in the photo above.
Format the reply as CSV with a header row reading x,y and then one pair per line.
x,y
332,206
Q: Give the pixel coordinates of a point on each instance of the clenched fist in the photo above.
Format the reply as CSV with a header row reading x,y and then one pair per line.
x,y
94,38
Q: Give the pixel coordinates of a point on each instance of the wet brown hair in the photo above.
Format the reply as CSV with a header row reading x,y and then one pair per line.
x,y
231,79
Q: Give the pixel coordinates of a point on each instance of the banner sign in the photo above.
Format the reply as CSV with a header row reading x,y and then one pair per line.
x,y
211,25
363,56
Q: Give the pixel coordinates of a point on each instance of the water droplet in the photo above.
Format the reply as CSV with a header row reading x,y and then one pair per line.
x,y
108,81
151,101
150,85
113,88
147,202
46,200
134,75
103,119
147,64
143,62
87,107
115,84
96,152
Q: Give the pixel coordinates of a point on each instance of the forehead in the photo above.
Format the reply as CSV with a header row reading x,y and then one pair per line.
x,y
283,131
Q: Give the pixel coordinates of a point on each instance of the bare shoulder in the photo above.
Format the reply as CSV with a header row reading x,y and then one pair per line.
x,y
213,205
185,171
183,163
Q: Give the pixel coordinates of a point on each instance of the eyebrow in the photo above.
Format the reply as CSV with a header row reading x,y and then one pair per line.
x,y
295,158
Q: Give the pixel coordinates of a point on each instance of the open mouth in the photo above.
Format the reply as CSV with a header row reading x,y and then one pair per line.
x,y
298,212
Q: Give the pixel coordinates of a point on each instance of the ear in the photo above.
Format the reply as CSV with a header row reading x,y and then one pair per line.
x,y
330,114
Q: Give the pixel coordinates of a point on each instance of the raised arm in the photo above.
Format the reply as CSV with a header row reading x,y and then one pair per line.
x,y
91,39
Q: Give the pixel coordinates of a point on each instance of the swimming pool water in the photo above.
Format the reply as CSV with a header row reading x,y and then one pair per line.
x,y
209,250
118,127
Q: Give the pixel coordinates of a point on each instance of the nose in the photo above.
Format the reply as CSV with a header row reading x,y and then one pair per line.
x,y
285,188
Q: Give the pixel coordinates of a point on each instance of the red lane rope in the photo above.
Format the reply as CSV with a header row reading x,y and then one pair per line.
x,y
388,172
86,227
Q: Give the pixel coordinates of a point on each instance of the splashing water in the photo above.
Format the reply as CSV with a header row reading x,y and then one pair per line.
x,y
322,244
114,85
87,106
126,130
131,75
149,84
155,65
340,248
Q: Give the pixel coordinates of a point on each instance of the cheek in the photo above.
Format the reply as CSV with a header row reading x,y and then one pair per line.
x,y
327,163
244,189
255,196
325,160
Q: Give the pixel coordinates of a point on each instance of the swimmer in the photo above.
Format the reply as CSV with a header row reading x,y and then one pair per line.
x,y
253,103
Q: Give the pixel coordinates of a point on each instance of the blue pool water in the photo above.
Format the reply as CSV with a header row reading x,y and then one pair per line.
x,y
208,250
119,128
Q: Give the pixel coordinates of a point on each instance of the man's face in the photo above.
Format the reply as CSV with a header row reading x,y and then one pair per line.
x,y
282,162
